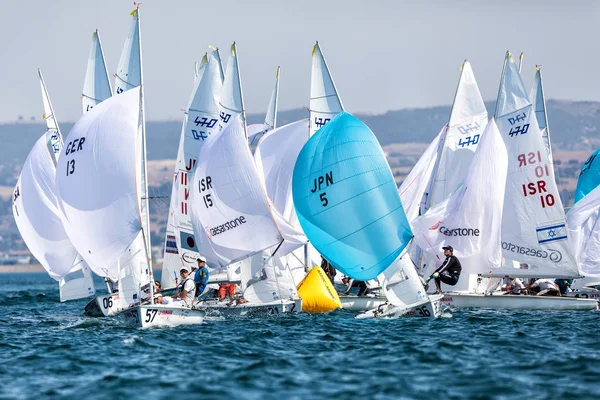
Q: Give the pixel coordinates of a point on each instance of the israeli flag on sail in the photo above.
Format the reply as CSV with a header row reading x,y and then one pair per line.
x,y
347,201
551,233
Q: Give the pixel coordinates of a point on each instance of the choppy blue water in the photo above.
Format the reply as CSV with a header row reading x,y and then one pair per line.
x,y
49,349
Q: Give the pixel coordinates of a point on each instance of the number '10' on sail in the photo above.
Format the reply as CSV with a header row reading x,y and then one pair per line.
x,y
347,201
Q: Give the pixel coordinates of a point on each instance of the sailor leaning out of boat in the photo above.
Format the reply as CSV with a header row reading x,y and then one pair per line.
x,y
449,271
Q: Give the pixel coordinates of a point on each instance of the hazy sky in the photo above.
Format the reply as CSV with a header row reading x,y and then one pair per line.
x,y
383,55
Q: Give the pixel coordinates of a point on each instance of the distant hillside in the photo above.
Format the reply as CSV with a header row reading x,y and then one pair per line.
x,y
573,126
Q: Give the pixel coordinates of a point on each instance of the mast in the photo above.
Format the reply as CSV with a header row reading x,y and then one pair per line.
x,y
144,204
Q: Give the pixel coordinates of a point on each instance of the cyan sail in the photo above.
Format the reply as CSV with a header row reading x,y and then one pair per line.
x,y
589,176
347,201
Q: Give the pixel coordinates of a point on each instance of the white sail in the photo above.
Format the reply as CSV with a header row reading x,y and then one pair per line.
x,y
265,279
96,86
129,70
539,105
583,222
413,188
534,225
171,261
271,116
96,176
228,200
401,283
130,75
199,126
467,122
325,102
231,101
37,212
275,157
470,219
78,283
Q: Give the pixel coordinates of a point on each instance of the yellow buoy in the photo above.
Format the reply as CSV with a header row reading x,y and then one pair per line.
x,y
317,293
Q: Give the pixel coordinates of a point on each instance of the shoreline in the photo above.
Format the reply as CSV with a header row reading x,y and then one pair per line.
x,y
37,268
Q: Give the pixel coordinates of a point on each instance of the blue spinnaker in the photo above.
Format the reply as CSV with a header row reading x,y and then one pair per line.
x,y
347,200
589,177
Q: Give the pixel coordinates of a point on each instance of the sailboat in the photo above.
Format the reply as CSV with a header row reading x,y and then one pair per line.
x,y
533,221
96,90
242,230
38,217
200,121
349,208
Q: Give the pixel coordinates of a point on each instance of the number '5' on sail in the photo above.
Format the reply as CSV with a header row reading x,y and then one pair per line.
x,y
347,201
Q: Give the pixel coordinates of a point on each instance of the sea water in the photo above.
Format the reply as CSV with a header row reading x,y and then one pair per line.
x,y
50,349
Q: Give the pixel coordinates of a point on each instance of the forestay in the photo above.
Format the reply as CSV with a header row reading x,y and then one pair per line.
x,y
103,217
470,219
228,200
347,201
325,103
171,261
533,226
539,105
96,86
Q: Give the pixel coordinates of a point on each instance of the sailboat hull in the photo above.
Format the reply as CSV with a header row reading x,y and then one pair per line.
x,y
103,306
361,304
467,300
150,315
430,308
213,308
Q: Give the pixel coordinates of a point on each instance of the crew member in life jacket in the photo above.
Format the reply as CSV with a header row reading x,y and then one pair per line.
x,y
187,289
449,271
201,276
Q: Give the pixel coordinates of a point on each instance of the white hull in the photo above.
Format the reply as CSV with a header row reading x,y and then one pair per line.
x,y
103,306
430,308
213,308
150,315
361,304
462,300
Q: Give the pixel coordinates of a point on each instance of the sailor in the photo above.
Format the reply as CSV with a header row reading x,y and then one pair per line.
x,y
544,287
201,276
186,289
351,283
328,269
513,286
449,271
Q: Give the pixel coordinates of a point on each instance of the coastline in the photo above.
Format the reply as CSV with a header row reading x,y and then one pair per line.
x,y
37,268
